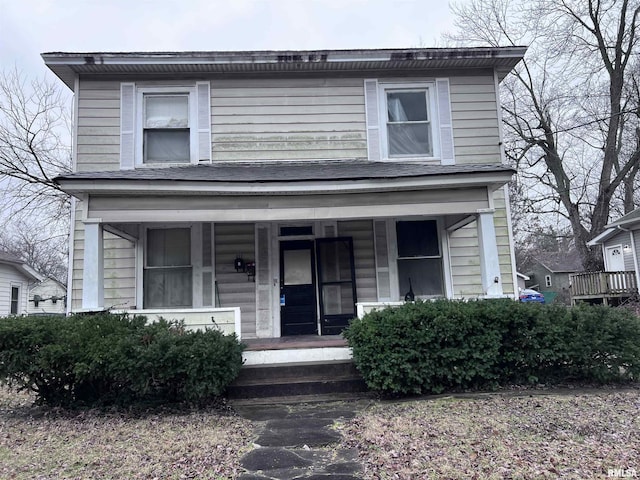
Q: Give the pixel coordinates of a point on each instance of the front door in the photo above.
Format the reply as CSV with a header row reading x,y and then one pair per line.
x,y
298,311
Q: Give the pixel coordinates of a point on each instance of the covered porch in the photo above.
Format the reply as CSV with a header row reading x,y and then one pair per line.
x,y
272,259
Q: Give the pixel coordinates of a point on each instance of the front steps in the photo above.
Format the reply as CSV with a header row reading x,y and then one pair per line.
x,y
292,379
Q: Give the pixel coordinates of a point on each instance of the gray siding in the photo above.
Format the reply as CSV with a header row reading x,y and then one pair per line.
x,y
362,233
288,119
234,288
475,119
98,126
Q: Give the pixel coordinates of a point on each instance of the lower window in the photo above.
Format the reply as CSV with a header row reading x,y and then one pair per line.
x,y
168,271
15,300
419,258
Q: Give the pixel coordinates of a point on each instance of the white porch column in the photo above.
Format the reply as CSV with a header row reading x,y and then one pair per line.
x,y
93,268
489,261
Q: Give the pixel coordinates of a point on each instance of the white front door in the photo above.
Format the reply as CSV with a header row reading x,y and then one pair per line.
x,y
615,263
614,258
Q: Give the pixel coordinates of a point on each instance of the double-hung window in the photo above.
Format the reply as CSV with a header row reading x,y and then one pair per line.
x,y
409,120
168,268
166,134
419,258
15,300
408,123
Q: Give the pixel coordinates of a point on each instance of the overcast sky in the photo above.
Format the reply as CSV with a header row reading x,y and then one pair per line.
x,y
30,27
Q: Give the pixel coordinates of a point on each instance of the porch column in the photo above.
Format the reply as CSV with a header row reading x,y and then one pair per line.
x,y
93,268
489,260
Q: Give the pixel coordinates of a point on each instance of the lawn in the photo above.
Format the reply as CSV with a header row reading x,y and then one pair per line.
x,y
576,436
493,436
48,444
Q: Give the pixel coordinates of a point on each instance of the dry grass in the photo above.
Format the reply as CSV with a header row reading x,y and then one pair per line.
x,y
574,436
44,444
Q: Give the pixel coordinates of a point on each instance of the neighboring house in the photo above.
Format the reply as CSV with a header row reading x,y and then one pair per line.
x,y
550,274
620,247
16,277
277,193
522,280
47,297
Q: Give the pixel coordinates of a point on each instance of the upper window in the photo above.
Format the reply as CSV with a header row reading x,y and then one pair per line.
x,y
547,280
408,123
166,129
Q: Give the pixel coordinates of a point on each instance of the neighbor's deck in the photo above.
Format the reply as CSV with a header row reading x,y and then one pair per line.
x,y
603,287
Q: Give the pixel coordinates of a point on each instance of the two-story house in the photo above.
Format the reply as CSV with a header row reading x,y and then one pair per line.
x,y
277,194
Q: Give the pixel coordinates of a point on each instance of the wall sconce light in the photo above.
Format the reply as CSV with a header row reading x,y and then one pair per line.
x,y
238,263
626,247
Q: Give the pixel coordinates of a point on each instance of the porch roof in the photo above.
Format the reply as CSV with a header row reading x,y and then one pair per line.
x,y
280,177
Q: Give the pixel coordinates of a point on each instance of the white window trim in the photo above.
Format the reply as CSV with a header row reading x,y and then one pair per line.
x,y
547,281
193,123
430,87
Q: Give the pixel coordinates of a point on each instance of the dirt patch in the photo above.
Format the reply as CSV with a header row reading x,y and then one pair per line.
x,y
573,436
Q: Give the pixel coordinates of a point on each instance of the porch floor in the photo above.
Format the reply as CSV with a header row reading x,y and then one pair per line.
x,y
294,342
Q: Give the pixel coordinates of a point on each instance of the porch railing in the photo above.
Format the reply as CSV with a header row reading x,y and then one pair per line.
x,y
599,284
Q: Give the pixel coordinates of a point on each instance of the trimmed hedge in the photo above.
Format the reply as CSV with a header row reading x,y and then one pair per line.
x,y
107,359
443,345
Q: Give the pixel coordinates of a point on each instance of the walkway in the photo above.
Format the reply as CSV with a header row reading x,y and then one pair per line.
x,y
296,442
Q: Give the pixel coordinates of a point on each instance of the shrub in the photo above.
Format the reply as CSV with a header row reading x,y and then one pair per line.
x,y
434,346
115,359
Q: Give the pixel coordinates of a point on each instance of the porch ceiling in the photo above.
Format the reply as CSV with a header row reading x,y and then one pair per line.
x,y
330,177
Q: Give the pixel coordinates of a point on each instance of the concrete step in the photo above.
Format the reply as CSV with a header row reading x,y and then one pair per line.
x,y
296,379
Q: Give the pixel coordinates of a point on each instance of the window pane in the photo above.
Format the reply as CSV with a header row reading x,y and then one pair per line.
x,y
418,239
407,106
170,287
409,139
166,146
15,300
336,261
166,111
425,275
297,267
168,247
338,299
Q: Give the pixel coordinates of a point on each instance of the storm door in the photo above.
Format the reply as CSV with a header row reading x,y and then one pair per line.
x,y
298,308
336,283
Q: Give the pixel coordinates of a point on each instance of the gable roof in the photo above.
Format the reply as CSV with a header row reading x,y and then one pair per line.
x,y
560,262
67,65
9,259
628,221
283,176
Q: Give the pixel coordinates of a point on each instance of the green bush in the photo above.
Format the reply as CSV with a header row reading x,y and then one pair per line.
x,y
442,345
109,359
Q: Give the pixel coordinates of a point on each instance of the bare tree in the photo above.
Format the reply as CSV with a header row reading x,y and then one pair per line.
x,y
571,109
39,245
35,143
34,147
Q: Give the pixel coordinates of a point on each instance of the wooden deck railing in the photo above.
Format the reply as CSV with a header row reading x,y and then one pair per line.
x,y
600,284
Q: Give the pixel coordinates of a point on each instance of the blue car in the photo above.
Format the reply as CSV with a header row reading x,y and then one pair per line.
x,y
529,295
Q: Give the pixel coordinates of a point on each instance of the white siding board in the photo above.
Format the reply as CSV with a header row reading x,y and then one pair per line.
x,y
9,277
